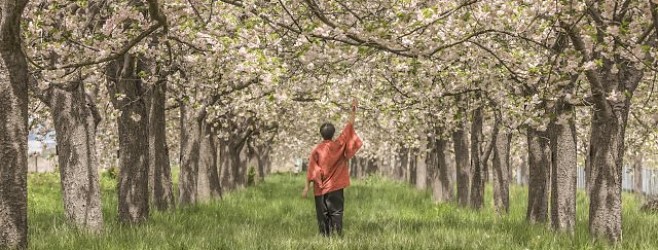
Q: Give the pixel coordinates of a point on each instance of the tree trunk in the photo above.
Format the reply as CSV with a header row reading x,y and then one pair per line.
x,y
501,170
252,163
13,128
127,95
160,187
609,119
240,166
75,123
588,167
422,172
637,173
373,166
390,161
190,129
208,185
442,185
564,167
267,161
445,173
432,172
232,176
486,173
226,176
362,167
402,162
607,145
539,173
523,172
263,154
411,167
462,163
352,165
510,166
199,177
477,183
357,167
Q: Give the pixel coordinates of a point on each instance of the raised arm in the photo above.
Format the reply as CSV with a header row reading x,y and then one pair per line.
x,y
348,131
353,111
348,137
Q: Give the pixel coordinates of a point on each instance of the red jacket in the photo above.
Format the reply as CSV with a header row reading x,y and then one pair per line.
x,y
327,165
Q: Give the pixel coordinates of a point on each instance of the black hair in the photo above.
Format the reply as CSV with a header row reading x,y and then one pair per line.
x,y
327,131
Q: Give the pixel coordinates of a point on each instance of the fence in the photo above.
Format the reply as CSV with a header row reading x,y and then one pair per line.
x,y
46,162
649,179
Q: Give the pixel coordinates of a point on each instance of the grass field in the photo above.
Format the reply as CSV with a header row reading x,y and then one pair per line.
x,y
379,214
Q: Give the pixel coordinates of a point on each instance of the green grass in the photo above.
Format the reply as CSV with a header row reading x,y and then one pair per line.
x,y
379,214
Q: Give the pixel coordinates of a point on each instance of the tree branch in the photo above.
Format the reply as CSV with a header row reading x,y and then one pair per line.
x,y
463,40
492,142
156,14
441,16
109,58
349,10
515,76
188,44
196,12
654,18
214,98
579,45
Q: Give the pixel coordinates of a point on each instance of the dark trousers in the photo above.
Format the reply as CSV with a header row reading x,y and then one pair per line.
x,y
329,212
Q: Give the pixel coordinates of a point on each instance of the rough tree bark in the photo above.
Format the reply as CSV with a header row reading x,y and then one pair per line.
x,y
446,175
75,118
190,132
607,150
352,165
240,165
13,128
432,175
563,168
127,95
477,183
411,166
208,185
500,169
160,188
401,163
225,170
234,160
263,154
607,145
265,161
539,175
611,85
373,166
462,163
486,172
363,166
357,167
588,168
252,162
199,177
442,185
422,172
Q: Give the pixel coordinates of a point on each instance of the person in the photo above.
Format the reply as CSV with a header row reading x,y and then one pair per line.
x,y
328,172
